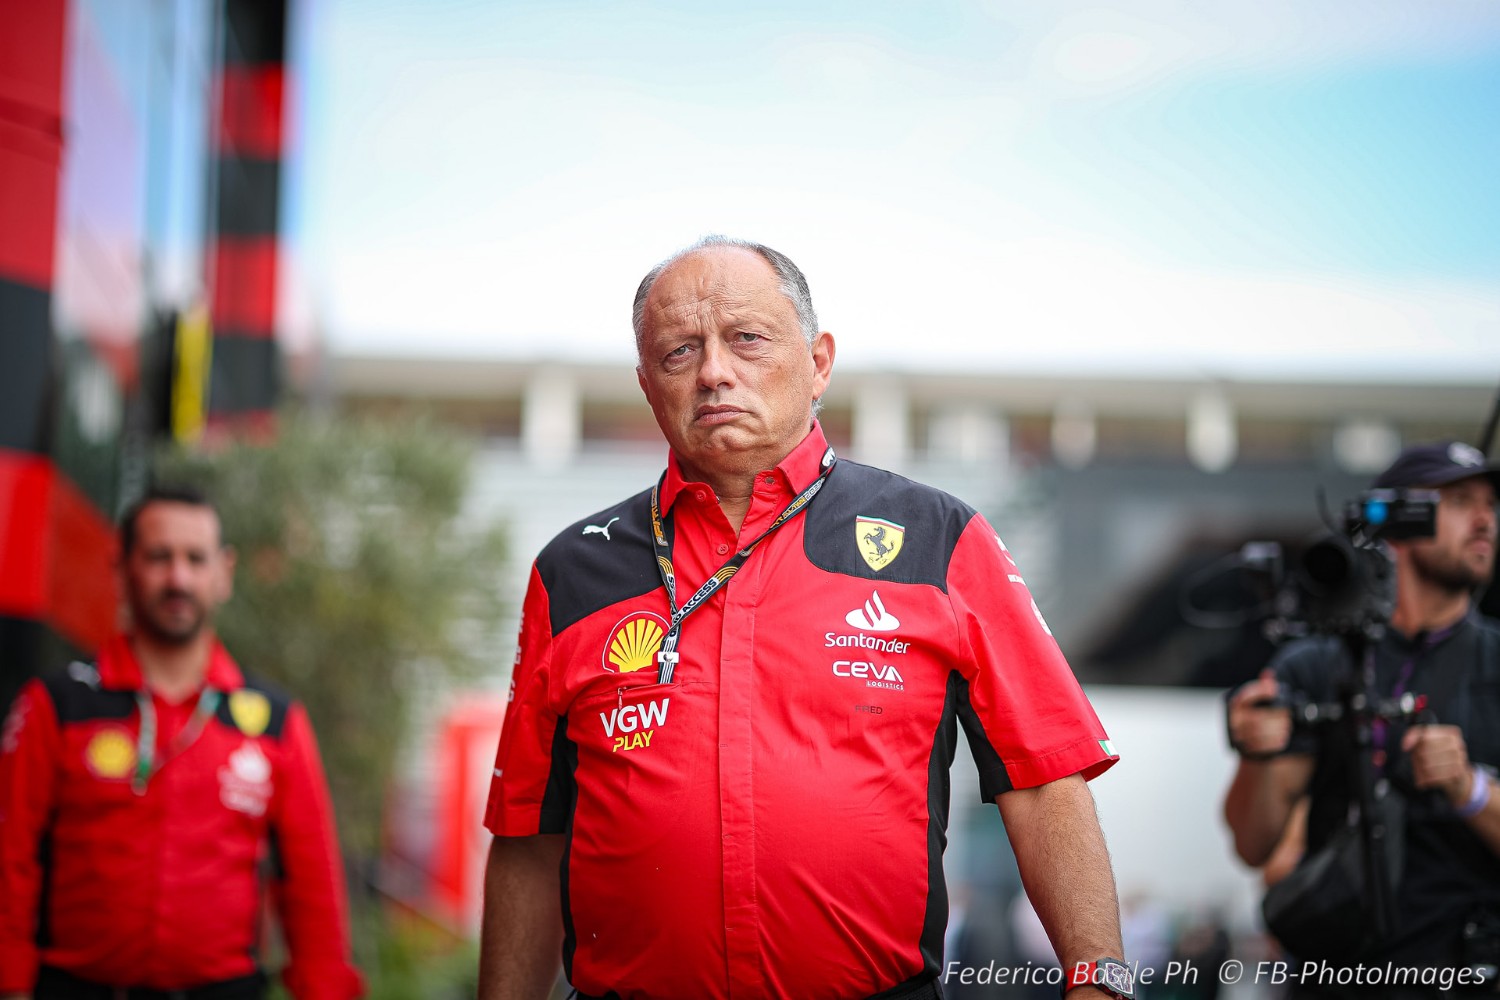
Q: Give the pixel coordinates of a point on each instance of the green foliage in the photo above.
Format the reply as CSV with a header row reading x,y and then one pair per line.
x,y
403,958
411,961
360,586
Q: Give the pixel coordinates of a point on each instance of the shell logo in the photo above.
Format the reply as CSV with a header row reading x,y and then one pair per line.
x,y
633,643
110,754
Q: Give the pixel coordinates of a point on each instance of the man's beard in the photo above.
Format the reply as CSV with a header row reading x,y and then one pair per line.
x,y
1452,574
167,629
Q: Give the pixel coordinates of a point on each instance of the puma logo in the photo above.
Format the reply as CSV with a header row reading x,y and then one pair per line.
x,y
600,529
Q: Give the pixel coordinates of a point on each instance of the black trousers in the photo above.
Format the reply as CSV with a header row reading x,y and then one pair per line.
x,y
926,990
55,984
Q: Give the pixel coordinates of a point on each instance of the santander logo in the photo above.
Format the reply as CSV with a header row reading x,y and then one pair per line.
x,y
873,617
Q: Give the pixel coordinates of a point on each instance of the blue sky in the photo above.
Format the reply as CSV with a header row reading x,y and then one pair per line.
x,y
1279,188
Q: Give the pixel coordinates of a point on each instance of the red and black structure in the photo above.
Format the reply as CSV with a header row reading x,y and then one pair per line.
x,y
248,143
99,356
55,545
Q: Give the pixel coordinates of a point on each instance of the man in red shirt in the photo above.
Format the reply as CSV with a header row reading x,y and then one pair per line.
x,y
724,769
148,800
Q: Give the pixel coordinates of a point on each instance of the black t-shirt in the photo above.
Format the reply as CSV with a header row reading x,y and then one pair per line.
x,y
1449,873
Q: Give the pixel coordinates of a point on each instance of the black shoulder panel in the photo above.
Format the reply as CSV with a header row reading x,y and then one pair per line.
x,y
601,560
276,700
77,696
931,523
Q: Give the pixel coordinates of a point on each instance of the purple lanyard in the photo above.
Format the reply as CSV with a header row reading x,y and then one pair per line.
x,y
1429,641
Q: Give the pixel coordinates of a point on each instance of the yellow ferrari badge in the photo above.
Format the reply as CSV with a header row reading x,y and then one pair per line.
x,y
251,711
879,541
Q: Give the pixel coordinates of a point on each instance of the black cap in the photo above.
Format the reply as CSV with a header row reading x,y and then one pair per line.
x,y
1437,464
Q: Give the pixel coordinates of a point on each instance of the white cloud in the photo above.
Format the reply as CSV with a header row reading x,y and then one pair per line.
x,y
1087,49
937,297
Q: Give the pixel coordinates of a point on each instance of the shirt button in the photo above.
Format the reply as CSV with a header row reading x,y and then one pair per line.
x,y
723,548
769,480
701,496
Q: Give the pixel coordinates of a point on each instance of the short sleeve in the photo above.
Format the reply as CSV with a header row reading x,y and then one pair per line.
x,y
1309,670
1026,717
531,791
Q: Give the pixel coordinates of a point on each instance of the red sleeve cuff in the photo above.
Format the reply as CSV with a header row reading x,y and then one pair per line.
x,y
18,964
1089,757
323,980
516,823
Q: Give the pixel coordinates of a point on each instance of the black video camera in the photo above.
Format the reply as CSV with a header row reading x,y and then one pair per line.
x,y
1344,581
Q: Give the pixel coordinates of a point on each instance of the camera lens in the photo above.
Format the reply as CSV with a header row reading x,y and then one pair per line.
x,y
1326,566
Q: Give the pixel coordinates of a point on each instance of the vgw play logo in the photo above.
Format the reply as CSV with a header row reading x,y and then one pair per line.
x,y
635,724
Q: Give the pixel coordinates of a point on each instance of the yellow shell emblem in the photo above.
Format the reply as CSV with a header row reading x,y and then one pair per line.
x,y
110,754
634,642
879,541
251,711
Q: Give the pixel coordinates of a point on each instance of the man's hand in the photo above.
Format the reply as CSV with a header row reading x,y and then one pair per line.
x,y
1256,728
1268,781
1440,759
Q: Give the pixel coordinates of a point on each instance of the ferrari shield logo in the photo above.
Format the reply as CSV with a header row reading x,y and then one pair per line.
x,y
251,711
879,541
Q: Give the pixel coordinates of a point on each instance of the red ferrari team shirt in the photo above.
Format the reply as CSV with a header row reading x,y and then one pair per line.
x,y
771,822
160,883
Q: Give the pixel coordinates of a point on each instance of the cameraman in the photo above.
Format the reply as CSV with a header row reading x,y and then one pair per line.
x,y
1438,645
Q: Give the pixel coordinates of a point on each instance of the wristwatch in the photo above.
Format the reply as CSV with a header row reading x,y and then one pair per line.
x,y
1109,976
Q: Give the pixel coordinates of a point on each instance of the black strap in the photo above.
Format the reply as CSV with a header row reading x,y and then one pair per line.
x,y
922,987
668,655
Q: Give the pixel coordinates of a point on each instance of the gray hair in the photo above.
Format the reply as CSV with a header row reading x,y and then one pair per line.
x,y
793,284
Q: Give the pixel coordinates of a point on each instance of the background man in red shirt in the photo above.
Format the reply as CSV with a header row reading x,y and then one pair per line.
x,y
723,772
145,800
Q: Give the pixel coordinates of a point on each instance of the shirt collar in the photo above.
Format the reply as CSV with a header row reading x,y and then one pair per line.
x,y
1436,637
119,669
796,471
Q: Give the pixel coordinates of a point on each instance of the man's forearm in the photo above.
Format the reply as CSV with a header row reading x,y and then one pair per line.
x,y
1260,801
1255,816
521,938
1065,868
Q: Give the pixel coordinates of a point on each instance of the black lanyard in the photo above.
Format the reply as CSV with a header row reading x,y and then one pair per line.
x,y
668,656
